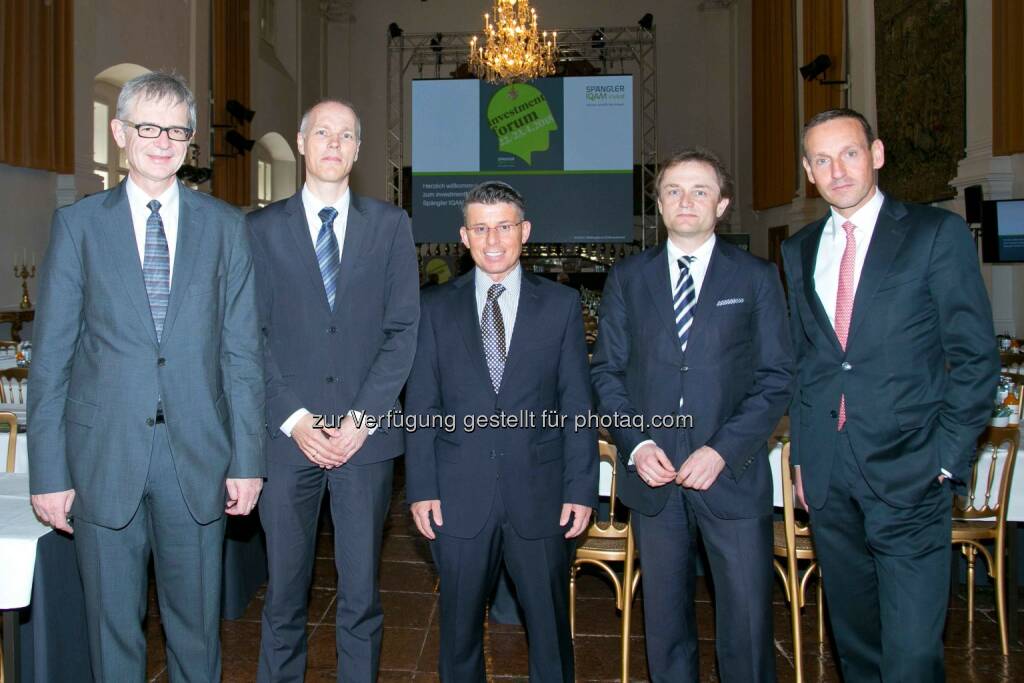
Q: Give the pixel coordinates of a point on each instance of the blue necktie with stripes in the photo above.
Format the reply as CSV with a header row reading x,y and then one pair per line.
x,y
156,267
684,299
327,252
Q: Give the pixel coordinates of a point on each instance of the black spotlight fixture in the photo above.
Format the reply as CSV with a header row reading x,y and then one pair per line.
x,y
239,141
646,21
192,172
597,39
239,111
817,67
435,43
394,30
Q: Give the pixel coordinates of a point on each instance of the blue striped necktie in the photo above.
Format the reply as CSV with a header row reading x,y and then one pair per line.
x,y
327,252
684,300
156,267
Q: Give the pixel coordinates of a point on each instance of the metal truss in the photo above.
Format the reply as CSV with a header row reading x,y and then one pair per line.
x,y
582,52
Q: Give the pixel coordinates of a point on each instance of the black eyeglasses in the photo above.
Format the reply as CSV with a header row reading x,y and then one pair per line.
x,y
151,130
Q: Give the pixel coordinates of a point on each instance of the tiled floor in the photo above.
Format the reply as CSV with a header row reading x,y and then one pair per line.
x,y
409,585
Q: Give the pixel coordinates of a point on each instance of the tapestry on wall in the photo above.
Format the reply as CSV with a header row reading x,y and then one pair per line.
x,y
919,81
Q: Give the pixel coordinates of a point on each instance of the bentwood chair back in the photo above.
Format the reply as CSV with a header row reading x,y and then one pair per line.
x,y
11,421
603,543
979,516
793,543
13,382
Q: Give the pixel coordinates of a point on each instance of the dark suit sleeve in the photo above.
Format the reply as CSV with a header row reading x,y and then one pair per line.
x,y
609,364
55,336
968,341
756,415
791,261
391,366
281,401
574,399
242,361
423,403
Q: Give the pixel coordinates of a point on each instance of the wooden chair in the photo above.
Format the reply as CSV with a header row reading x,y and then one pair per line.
x,y
792,544
16,376
11,421
605,542
980,515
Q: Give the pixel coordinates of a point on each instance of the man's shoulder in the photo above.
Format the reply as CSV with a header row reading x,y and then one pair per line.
x,y
375,208
923,214
551,290
210,205
443,297
86,206
630,265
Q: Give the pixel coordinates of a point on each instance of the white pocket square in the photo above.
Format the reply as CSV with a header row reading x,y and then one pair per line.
x,y
729,302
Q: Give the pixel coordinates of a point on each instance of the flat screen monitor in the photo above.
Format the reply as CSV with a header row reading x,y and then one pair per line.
x,y
1002,231
565,143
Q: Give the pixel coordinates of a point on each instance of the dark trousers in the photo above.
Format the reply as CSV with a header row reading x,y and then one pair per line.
x,y
289,511
740,555
886,573
469,567
187,557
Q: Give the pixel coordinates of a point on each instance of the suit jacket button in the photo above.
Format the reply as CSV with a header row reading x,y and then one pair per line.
x,y
161,362
833,413
150,422
332,329
330,379
846,366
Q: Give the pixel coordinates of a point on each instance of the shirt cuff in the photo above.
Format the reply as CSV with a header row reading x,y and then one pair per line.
x,y
638,447
357,416
288,425
945,473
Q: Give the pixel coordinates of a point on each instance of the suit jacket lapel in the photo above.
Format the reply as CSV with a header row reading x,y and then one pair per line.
x,y
658,284
298,227
885,243
469,324
527,320
186,251
124,250
809,254
356,231
716,279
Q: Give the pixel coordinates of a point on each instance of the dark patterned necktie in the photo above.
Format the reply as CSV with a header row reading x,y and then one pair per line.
x,y
492,329
156,268
327,252
684,300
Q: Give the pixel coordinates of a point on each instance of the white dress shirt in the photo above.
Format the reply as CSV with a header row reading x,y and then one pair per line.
x,y
137,203
832,246
313,206
698,269
508,301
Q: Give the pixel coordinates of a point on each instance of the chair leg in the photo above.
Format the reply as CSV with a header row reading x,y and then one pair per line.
x,y
821,608
572,600
794,616
1000,581
629,572
971,553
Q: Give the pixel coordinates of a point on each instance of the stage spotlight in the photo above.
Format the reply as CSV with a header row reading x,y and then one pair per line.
x,y
435,43
239,111
194,174
394,30
239,141
597,39
646,21
816,68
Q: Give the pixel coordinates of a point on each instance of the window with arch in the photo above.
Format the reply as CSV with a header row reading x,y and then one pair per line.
x,y
108,160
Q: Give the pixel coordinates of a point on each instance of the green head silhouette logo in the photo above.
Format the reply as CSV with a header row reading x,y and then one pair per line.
x,y
521,118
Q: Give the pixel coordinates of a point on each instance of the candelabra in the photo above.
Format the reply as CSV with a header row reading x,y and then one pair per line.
x,y
25,271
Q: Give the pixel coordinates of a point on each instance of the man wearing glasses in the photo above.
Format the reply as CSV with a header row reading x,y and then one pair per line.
x,y
147,391
501,355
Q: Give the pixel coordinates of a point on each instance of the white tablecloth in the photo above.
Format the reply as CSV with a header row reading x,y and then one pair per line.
x,y
20,452
19,531
1014,513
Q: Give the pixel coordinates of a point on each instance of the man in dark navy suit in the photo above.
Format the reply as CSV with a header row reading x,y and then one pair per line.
x,y
504,347
338,304
692,339
897,365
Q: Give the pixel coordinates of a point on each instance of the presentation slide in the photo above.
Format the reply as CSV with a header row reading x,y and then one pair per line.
x,y
1011,230
566,144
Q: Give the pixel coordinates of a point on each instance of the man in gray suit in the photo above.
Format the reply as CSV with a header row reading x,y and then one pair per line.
x,y
147,391
339,307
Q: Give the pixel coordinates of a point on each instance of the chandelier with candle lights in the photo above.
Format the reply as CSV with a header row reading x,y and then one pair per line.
x,y
513,50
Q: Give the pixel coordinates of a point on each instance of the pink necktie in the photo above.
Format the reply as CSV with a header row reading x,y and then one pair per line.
x,y
844,302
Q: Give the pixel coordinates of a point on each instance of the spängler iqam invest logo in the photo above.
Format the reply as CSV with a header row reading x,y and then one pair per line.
x,y
521,118
606,94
